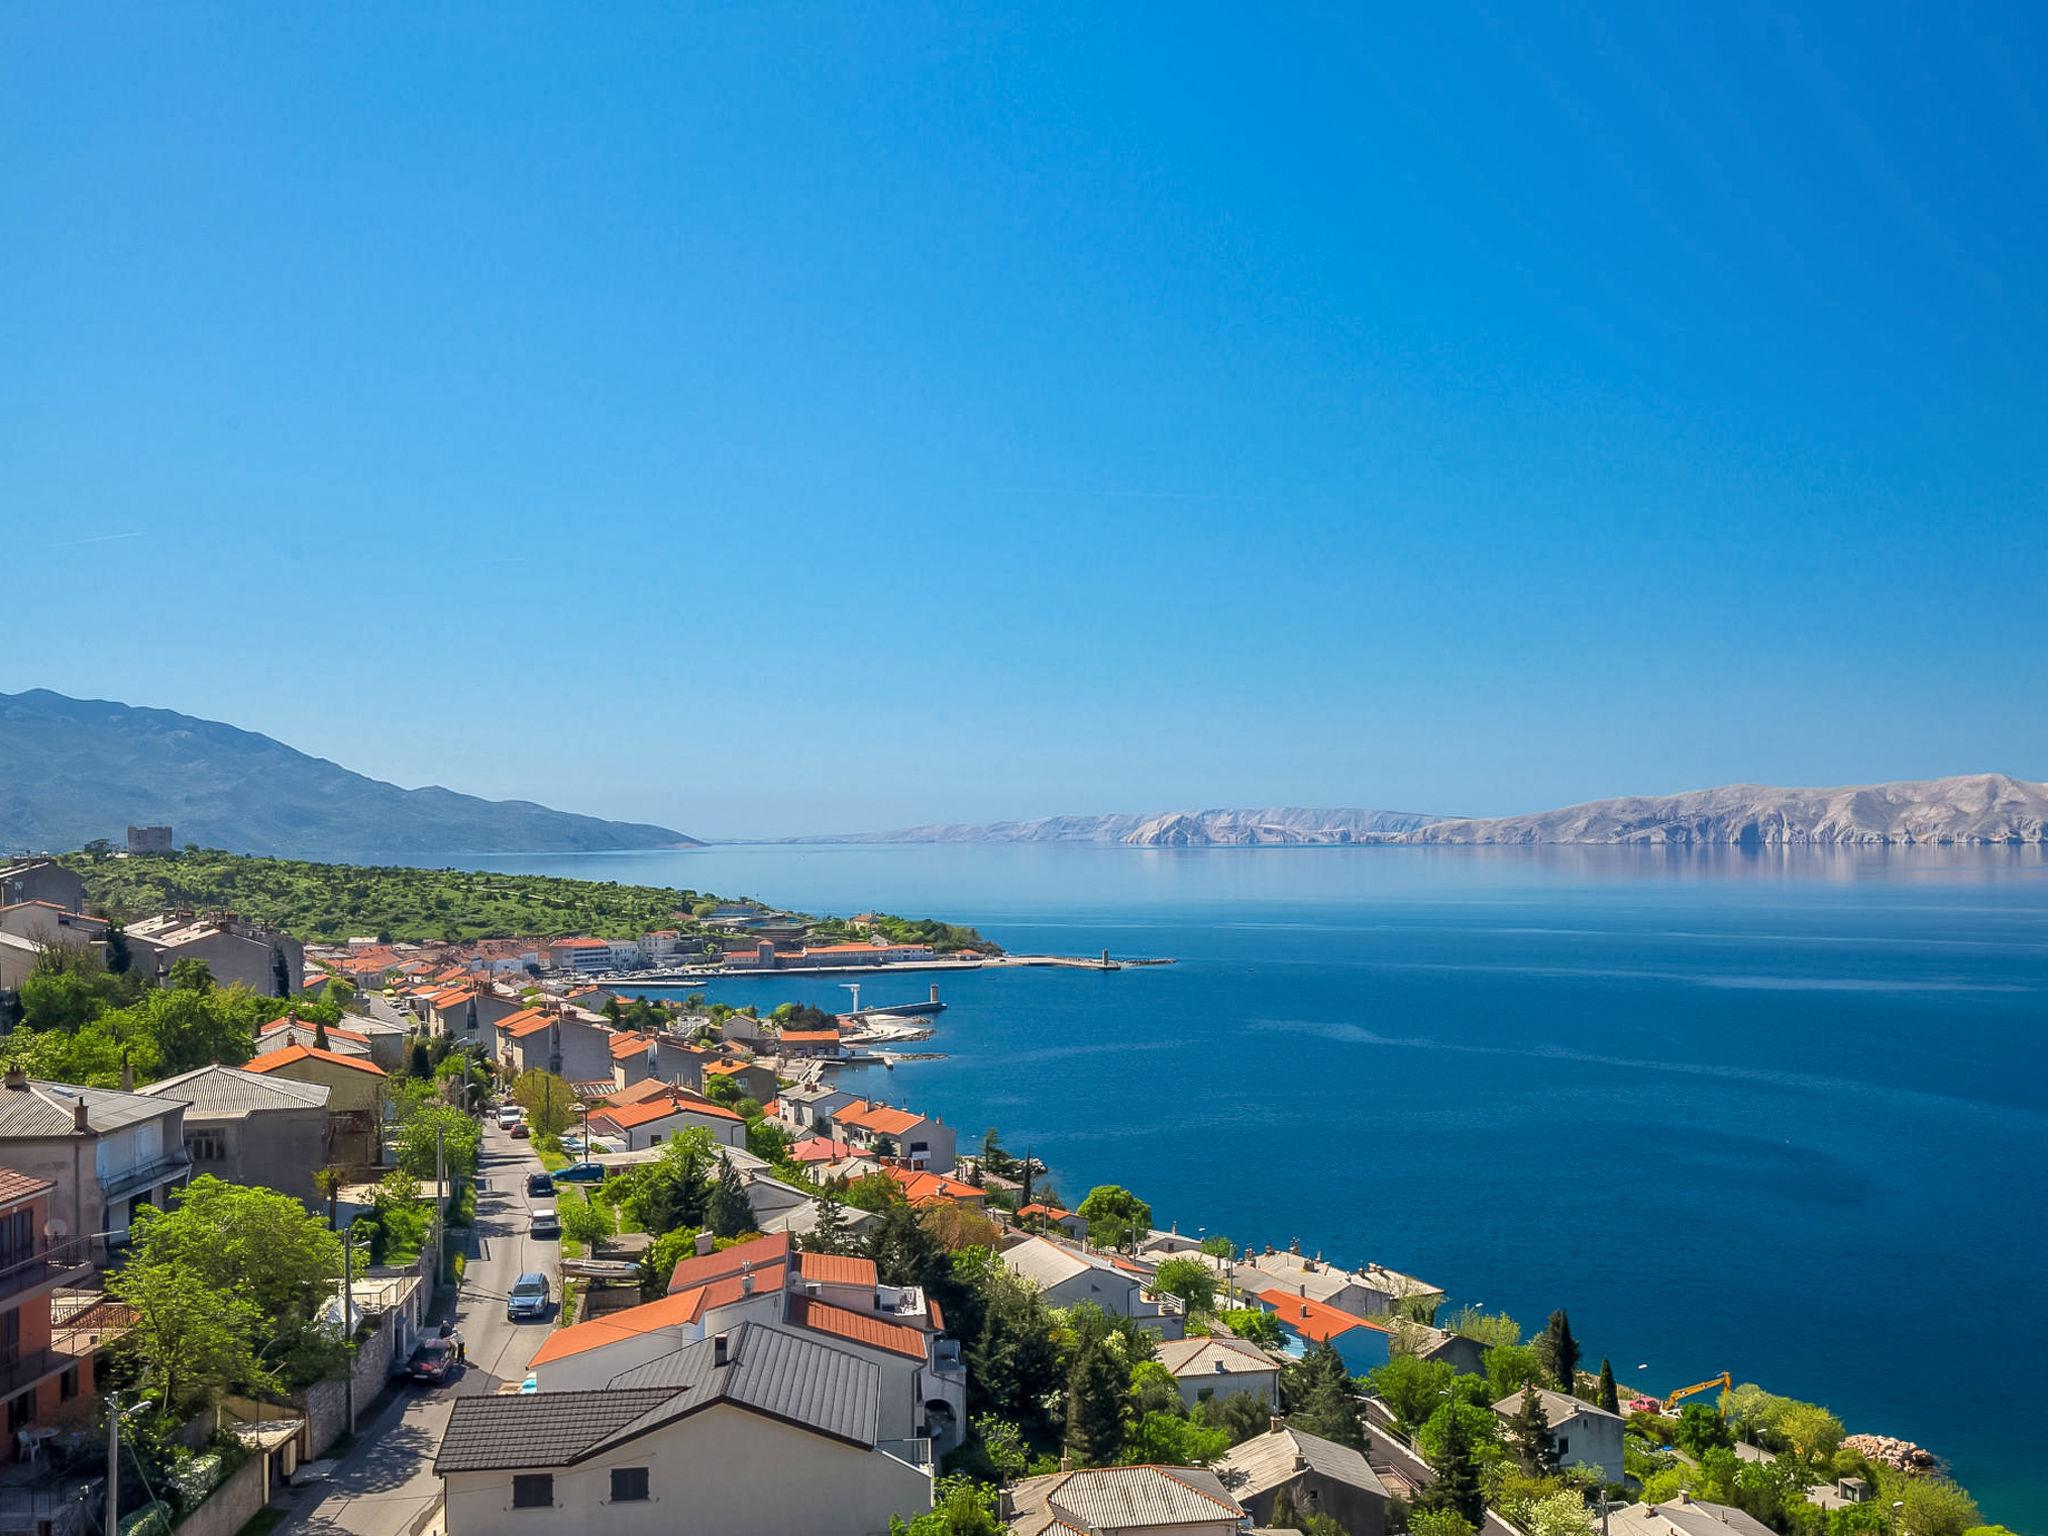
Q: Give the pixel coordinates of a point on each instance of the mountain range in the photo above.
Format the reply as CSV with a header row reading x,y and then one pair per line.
x,y
72,770
1170,829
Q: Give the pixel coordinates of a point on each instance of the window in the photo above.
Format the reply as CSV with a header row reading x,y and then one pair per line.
x,y
207,1146
1564,1445
534,1490
629,1484
20,1411
67,1385
17,1238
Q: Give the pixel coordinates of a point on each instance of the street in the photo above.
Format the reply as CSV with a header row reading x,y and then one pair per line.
x,y
384,1483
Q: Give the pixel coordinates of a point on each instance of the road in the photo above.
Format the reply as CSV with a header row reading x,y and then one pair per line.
x,y
385,1482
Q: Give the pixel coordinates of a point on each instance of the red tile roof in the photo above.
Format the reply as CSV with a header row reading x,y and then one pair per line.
x,y
879,1118
670,1311
270,1061
1049,1212
528,1022
857,1327
818,1149
1315,1321
922,1188
579,944
647,1111
810,1037
766,1254
836,1269
16,1187
624,1046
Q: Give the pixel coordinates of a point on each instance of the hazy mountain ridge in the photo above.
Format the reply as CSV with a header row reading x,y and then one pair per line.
x,y
75,769
1975,808
1165,829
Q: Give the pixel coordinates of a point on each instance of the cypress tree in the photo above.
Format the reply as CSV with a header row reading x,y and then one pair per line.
x,y
1321,1399
1529,1430
1457,1473
828,1233
1561,1352
1095,1405
1283,1516
280,973
1610,1399
729,1210
119,956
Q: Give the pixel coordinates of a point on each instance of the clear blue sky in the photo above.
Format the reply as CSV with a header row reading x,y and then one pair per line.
x,y
791,419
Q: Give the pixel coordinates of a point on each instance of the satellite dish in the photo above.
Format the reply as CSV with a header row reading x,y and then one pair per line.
x,y
56,1227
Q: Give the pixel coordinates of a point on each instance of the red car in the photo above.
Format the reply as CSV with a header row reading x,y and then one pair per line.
x,y
432,1362
521,1131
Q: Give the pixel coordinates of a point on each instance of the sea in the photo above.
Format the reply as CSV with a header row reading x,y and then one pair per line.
x,y
1777,1112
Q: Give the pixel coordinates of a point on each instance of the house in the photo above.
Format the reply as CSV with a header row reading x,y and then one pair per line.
x,y
48,924
584,957
267,961
39,1374
355,1098
1125,1501
564,1041
387,1041
632,1059
253,1127
1586,1435
1066,1277
809,1106
767,1280
293,1030
654,1120
780,1207
1373,1291
1220,1367
922,1189
1684,1516
42,880
661,946
810,1042
106,1152
1364,1345
921,1142
1038,1217
756,1431
756,1083
1321,1476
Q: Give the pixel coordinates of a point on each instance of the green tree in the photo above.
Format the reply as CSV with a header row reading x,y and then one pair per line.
x,y
1095,1394
1412,1388
1563,1513
191,1342
1190,1279
120,958
1002,1443
461,1142
1491,1329
549,1101
960,1507
584,1221
729,1212
1561,1352
1320,1398
1014,1365
1284,1516
1239,1415
1425,1521
1815,1434
828,1233
191,975
1609,1396
1511,1367
282,982
1529,1434
1171,1438
674,1191
1700,1430
1256,1326
1456,1442
1934,1506
1218,1247
1116,1218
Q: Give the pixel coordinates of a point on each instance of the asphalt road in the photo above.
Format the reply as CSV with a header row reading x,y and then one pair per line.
x,y
385,1482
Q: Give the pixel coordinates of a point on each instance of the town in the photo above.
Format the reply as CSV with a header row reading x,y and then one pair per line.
x,y
396,1235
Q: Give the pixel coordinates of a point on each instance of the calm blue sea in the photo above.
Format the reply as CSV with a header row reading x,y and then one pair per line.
x,y
1782,1114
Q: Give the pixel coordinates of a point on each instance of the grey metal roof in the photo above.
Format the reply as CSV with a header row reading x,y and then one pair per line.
x,y
1267,1461
1109,1498
47,1109
219,1090
539,1429
364,1024
774,1371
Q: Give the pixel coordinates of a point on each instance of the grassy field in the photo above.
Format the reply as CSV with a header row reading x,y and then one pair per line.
x,y
317,902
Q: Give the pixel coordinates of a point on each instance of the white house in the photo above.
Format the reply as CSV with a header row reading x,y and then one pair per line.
x,y
651,1122
1586,1435
759,1431
1220,1367
1066,1277
1125,1501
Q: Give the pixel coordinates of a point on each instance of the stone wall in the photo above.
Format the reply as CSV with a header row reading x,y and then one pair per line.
x,y
231,1506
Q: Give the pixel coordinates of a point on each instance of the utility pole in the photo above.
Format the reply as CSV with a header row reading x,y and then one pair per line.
x,y
348,1326
113,1463
440,1198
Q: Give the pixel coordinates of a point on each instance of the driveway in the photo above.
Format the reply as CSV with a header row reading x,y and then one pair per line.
x,y
385,1482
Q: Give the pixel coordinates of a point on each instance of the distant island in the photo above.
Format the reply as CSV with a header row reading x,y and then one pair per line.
x,y
1977,808
76,770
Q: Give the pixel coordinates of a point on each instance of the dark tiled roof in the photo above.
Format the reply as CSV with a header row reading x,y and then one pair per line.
x,y
540,1429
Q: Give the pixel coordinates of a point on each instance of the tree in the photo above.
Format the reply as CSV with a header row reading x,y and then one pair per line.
x,y
958,1226
585,1221
1561,1352
729,1212
1491,1329
960,1507
1608,1397
1284,1516
192,1342
1815,1434
1424,1521
1411,1388
1529,1433
1190,1279
461,1142
1095,1393
674,1191
281,982
549,1101
1935,1507
1116,1218
120,958
904,1250
1256,1326
191,975
1003,1446
1014,1366
1700,1430
1321,1399
1240,1415
1563,1513
1511,1367
1454,1442
828,1233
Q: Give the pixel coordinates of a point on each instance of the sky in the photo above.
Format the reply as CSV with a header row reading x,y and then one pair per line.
x,y
780,419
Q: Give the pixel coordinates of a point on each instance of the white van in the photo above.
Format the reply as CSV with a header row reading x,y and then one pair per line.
x,y
509,1116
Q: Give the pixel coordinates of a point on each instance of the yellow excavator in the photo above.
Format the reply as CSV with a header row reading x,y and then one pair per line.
x,y
1724,1381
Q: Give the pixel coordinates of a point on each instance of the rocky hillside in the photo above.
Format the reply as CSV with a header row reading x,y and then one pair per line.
x,y
1170,829
76,769
1968,808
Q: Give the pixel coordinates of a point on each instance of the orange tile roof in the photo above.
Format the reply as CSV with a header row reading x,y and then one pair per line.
x,y
836,1269
819,1149
810,1036
726,1067
624,1046
647,1088
527,1022
764,1253
671,1311
879,1118
270,1061
857,1327
626,1116
451,996
1316,1321
931,1305
16,1187
922,1188
579,944
1049,1212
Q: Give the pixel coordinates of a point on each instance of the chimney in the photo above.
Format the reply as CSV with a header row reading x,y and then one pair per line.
x,y
17,1079
1300,1462
127,1072
79,1122
721,1349
747,1278
1066,1463
1684,1497
1277,1422
704,1244
1294,1247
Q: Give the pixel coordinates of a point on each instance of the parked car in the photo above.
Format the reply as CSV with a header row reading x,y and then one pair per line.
x,y
509,1115
520,1130
539,1184
527,1298
545,1223
432,1363
580,1173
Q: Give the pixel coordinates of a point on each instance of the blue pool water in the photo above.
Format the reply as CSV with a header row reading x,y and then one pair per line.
x,y
1782,1114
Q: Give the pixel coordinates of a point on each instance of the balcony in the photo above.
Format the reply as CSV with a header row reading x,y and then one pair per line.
x,y
126,1181
65,1263
21,1369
